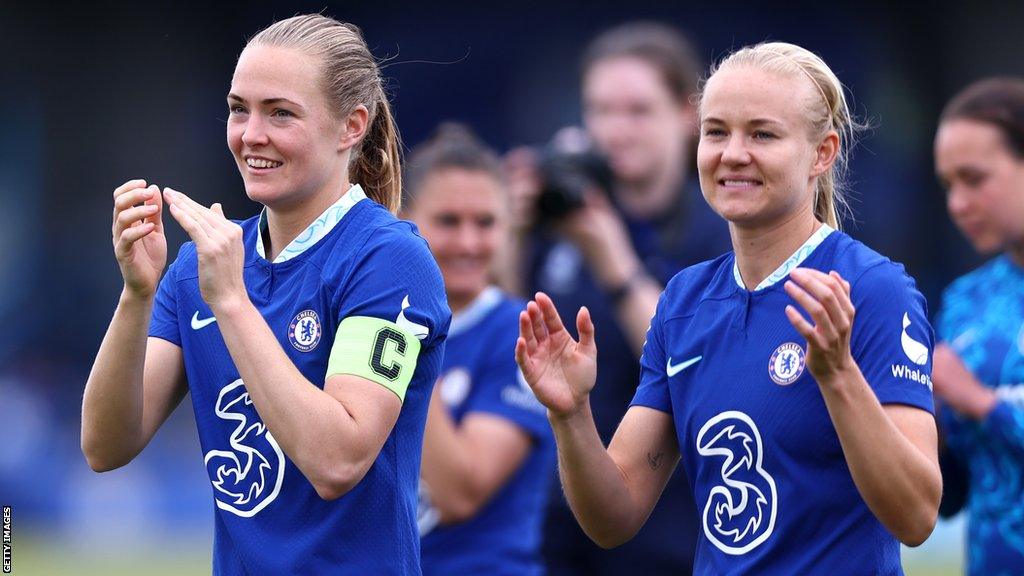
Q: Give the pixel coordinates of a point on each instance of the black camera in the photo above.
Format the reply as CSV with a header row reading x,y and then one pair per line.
x,y
570,166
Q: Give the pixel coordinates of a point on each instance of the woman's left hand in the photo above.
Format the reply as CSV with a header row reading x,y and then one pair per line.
x,y
826,299
219,248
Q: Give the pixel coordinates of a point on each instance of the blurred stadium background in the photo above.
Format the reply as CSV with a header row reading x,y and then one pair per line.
x,y
94,94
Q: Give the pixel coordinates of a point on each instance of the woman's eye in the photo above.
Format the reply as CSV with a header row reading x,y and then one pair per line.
x,y
236,109
762,135
280,113
974,181
714,132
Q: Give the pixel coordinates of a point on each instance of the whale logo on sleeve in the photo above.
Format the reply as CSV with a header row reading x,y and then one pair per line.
x,y
915,351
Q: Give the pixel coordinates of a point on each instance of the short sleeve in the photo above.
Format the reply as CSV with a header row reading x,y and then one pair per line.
x,y
892,340
164,320
503,390
653,390
957,306
391,309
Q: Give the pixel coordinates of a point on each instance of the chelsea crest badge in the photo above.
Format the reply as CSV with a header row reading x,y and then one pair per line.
x,y
304,331
786,364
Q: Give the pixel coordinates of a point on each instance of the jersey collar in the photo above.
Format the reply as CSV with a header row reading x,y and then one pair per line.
x,y
469,316
792,262
316,230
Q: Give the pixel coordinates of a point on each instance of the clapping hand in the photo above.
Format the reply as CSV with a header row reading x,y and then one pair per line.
x,y
219,247
560,370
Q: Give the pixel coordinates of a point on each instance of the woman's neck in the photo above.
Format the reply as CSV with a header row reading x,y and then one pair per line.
x,y
459,302
1016,254
653,196
760,251
285,223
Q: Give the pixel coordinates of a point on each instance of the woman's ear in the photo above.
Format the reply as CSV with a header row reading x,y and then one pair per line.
x,y
356,125
828,151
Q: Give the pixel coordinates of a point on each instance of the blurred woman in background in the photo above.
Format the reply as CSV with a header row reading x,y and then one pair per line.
x,y
615,253
488,453
978,373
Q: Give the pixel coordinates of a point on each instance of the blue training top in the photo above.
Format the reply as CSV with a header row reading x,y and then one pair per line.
x,y
772,486
480,375
355,260
982,319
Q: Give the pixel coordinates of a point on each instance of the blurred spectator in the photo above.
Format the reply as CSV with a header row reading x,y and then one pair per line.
x,y
615,246
488,452
979,365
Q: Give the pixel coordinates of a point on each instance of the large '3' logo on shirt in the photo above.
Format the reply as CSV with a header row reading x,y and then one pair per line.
x,y
740,512
247,477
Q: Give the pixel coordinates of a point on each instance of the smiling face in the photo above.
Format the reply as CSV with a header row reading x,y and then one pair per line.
x,y
984,183
635,119
287,144
460,214
759,156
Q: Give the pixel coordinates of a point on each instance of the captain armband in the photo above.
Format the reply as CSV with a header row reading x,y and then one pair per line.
x,y
375,349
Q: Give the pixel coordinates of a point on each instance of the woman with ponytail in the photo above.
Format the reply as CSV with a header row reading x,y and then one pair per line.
x,y
790,376
979,363
309,336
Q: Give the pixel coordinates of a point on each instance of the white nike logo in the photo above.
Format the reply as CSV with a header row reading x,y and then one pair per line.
x,y
673,370
197,323
418,330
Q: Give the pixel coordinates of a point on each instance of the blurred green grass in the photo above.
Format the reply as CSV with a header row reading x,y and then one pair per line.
x,y
35,556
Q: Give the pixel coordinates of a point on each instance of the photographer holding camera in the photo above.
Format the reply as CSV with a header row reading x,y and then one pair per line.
x,y
604,220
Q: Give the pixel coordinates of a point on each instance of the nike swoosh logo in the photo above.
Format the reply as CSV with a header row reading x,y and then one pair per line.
x,y
673,370
197,323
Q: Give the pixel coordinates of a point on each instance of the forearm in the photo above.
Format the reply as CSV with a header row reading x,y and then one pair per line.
x,y
618,270
313,428
595,486
900,484
1005,421
448,468
636,309
112,406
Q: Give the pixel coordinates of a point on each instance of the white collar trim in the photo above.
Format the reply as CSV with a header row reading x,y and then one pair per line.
x,y
792,262
471,315
316,230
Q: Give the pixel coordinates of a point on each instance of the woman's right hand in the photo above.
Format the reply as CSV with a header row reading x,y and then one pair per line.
x,y
560,370
138,233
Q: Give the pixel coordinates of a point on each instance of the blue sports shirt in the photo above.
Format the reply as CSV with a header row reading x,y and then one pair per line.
x,y
774,494
356,262
982,319
480,375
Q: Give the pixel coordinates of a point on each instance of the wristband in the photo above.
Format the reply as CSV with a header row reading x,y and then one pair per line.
x,y
620,292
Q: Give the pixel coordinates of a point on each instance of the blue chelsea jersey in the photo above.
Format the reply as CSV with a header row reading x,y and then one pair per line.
x,y
356,259
982,319
774,494
480,376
